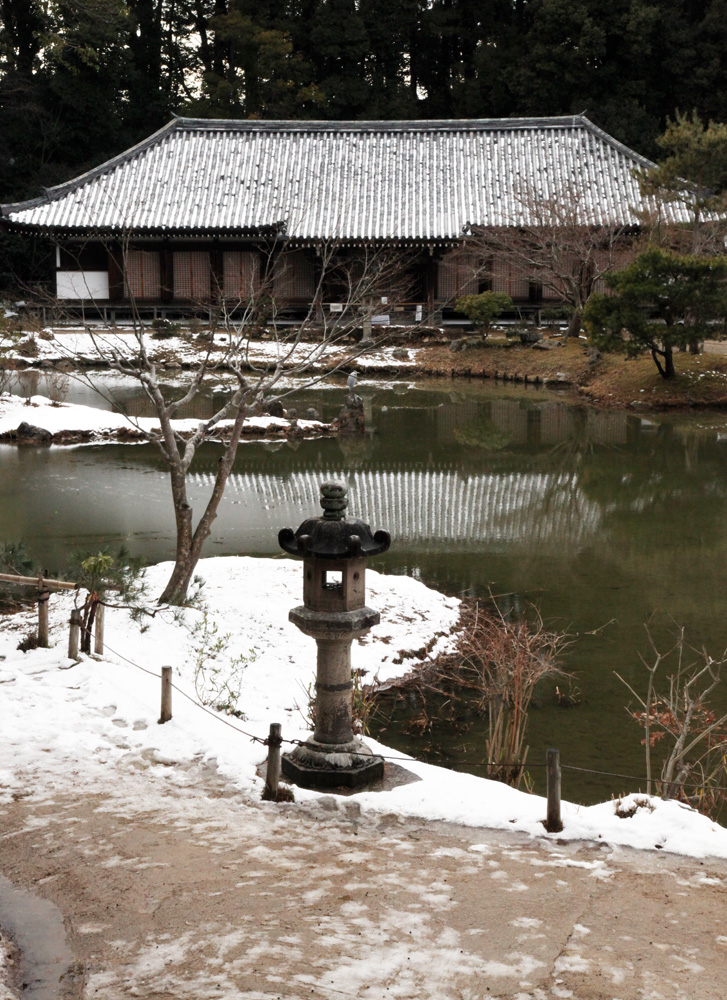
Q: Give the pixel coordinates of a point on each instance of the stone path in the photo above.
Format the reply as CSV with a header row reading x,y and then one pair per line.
x,y
208,895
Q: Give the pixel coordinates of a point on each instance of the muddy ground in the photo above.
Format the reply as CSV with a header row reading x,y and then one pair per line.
x,y
172,892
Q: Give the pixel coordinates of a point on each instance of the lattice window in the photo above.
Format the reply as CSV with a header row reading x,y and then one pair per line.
x,y
603,264
192,275
619,259
507,277
240,274
294,277
519,283
500,275
142,277
457,274
551,293
556,289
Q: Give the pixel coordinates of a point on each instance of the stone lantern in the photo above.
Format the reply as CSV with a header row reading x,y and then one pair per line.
x,y
334,613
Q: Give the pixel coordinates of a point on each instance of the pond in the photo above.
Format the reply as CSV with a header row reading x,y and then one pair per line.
x,y
602,520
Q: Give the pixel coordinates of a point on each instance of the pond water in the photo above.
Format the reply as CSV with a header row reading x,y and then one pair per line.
x,y
602,520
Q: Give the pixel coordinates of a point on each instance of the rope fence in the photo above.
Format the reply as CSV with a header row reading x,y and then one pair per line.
x,y
514,765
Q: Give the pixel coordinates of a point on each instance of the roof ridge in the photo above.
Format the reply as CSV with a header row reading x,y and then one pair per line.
x,y
375,125
616,144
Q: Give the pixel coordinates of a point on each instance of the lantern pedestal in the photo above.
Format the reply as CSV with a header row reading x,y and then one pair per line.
x,y
333,613
332,765
333,756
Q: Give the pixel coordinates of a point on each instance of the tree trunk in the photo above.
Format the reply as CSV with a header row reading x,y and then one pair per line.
x,y
666,370
669,371
87,625
190,543
176,588
574,325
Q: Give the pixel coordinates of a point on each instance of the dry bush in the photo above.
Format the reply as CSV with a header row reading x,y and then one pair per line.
x,y
496,667
678,720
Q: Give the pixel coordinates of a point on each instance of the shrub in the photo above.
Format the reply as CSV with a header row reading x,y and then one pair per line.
x,y
484,309
164,329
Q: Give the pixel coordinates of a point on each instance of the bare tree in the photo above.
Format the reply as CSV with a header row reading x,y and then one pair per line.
x,y
553,244
677,713
498,662
9,338
305,347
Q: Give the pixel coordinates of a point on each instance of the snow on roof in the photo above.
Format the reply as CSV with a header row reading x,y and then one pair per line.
x,y
408,181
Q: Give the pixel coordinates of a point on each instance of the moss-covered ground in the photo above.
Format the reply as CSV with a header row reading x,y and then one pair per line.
x,y
608,380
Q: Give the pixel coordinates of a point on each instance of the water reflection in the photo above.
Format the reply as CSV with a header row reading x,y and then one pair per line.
x,y
438,507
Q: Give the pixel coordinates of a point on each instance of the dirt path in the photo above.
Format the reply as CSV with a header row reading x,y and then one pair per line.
x,y
205,894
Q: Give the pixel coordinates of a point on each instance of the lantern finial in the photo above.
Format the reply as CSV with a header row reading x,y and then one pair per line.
x,y
334,500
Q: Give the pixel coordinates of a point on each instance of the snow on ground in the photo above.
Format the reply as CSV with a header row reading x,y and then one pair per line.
x,y
93,347
73,418
98,715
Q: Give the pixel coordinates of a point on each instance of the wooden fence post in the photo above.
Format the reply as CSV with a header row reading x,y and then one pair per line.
x,y
74,634
166,713
553,823
98,625
43,598
272,777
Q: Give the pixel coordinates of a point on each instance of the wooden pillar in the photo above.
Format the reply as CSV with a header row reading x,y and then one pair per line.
x,y
217,273
166,273
74,634
99,625
272,777
116,273
166,712
430,283
553,823
268,263
43,598
318,289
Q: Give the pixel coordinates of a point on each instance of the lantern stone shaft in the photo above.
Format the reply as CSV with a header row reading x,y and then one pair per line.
x,y
334,613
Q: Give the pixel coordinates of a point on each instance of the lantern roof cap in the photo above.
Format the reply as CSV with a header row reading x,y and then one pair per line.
x,y
334,536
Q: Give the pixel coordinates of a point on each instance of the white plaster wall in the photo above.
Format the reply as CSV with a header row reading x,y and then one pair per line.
x,y
82,284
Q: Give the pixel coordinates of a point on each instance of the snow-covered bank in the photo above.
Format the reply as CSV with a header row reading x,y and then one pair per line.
x,y
70,422
86,348
66,724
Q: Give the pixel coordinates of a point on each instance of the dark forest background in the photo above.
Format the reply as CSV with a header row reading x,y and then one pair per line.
x,y
81,80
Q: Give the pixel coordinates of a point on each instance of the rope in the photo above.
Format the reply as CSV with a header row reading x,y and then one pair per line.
x,y
255,739
515,765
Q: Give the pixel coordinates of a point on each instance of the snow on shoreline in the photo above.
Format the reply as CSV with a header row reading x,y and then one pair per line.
x,y
82,347
60,720
74,418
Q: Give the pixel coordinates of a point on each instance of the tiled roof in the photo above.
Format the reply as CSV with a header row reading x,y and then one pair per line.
x,y
418,181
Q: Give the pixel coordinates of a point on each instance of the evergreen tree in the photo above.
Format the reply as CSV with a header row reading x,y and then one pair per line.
x,y
250,68
155,71
339,50
26,123
660,303
87,60
694,175
388,29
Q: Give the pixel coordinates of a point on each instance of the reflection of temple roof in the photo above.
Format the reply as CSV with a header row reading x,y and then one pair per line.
x,y
437,507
